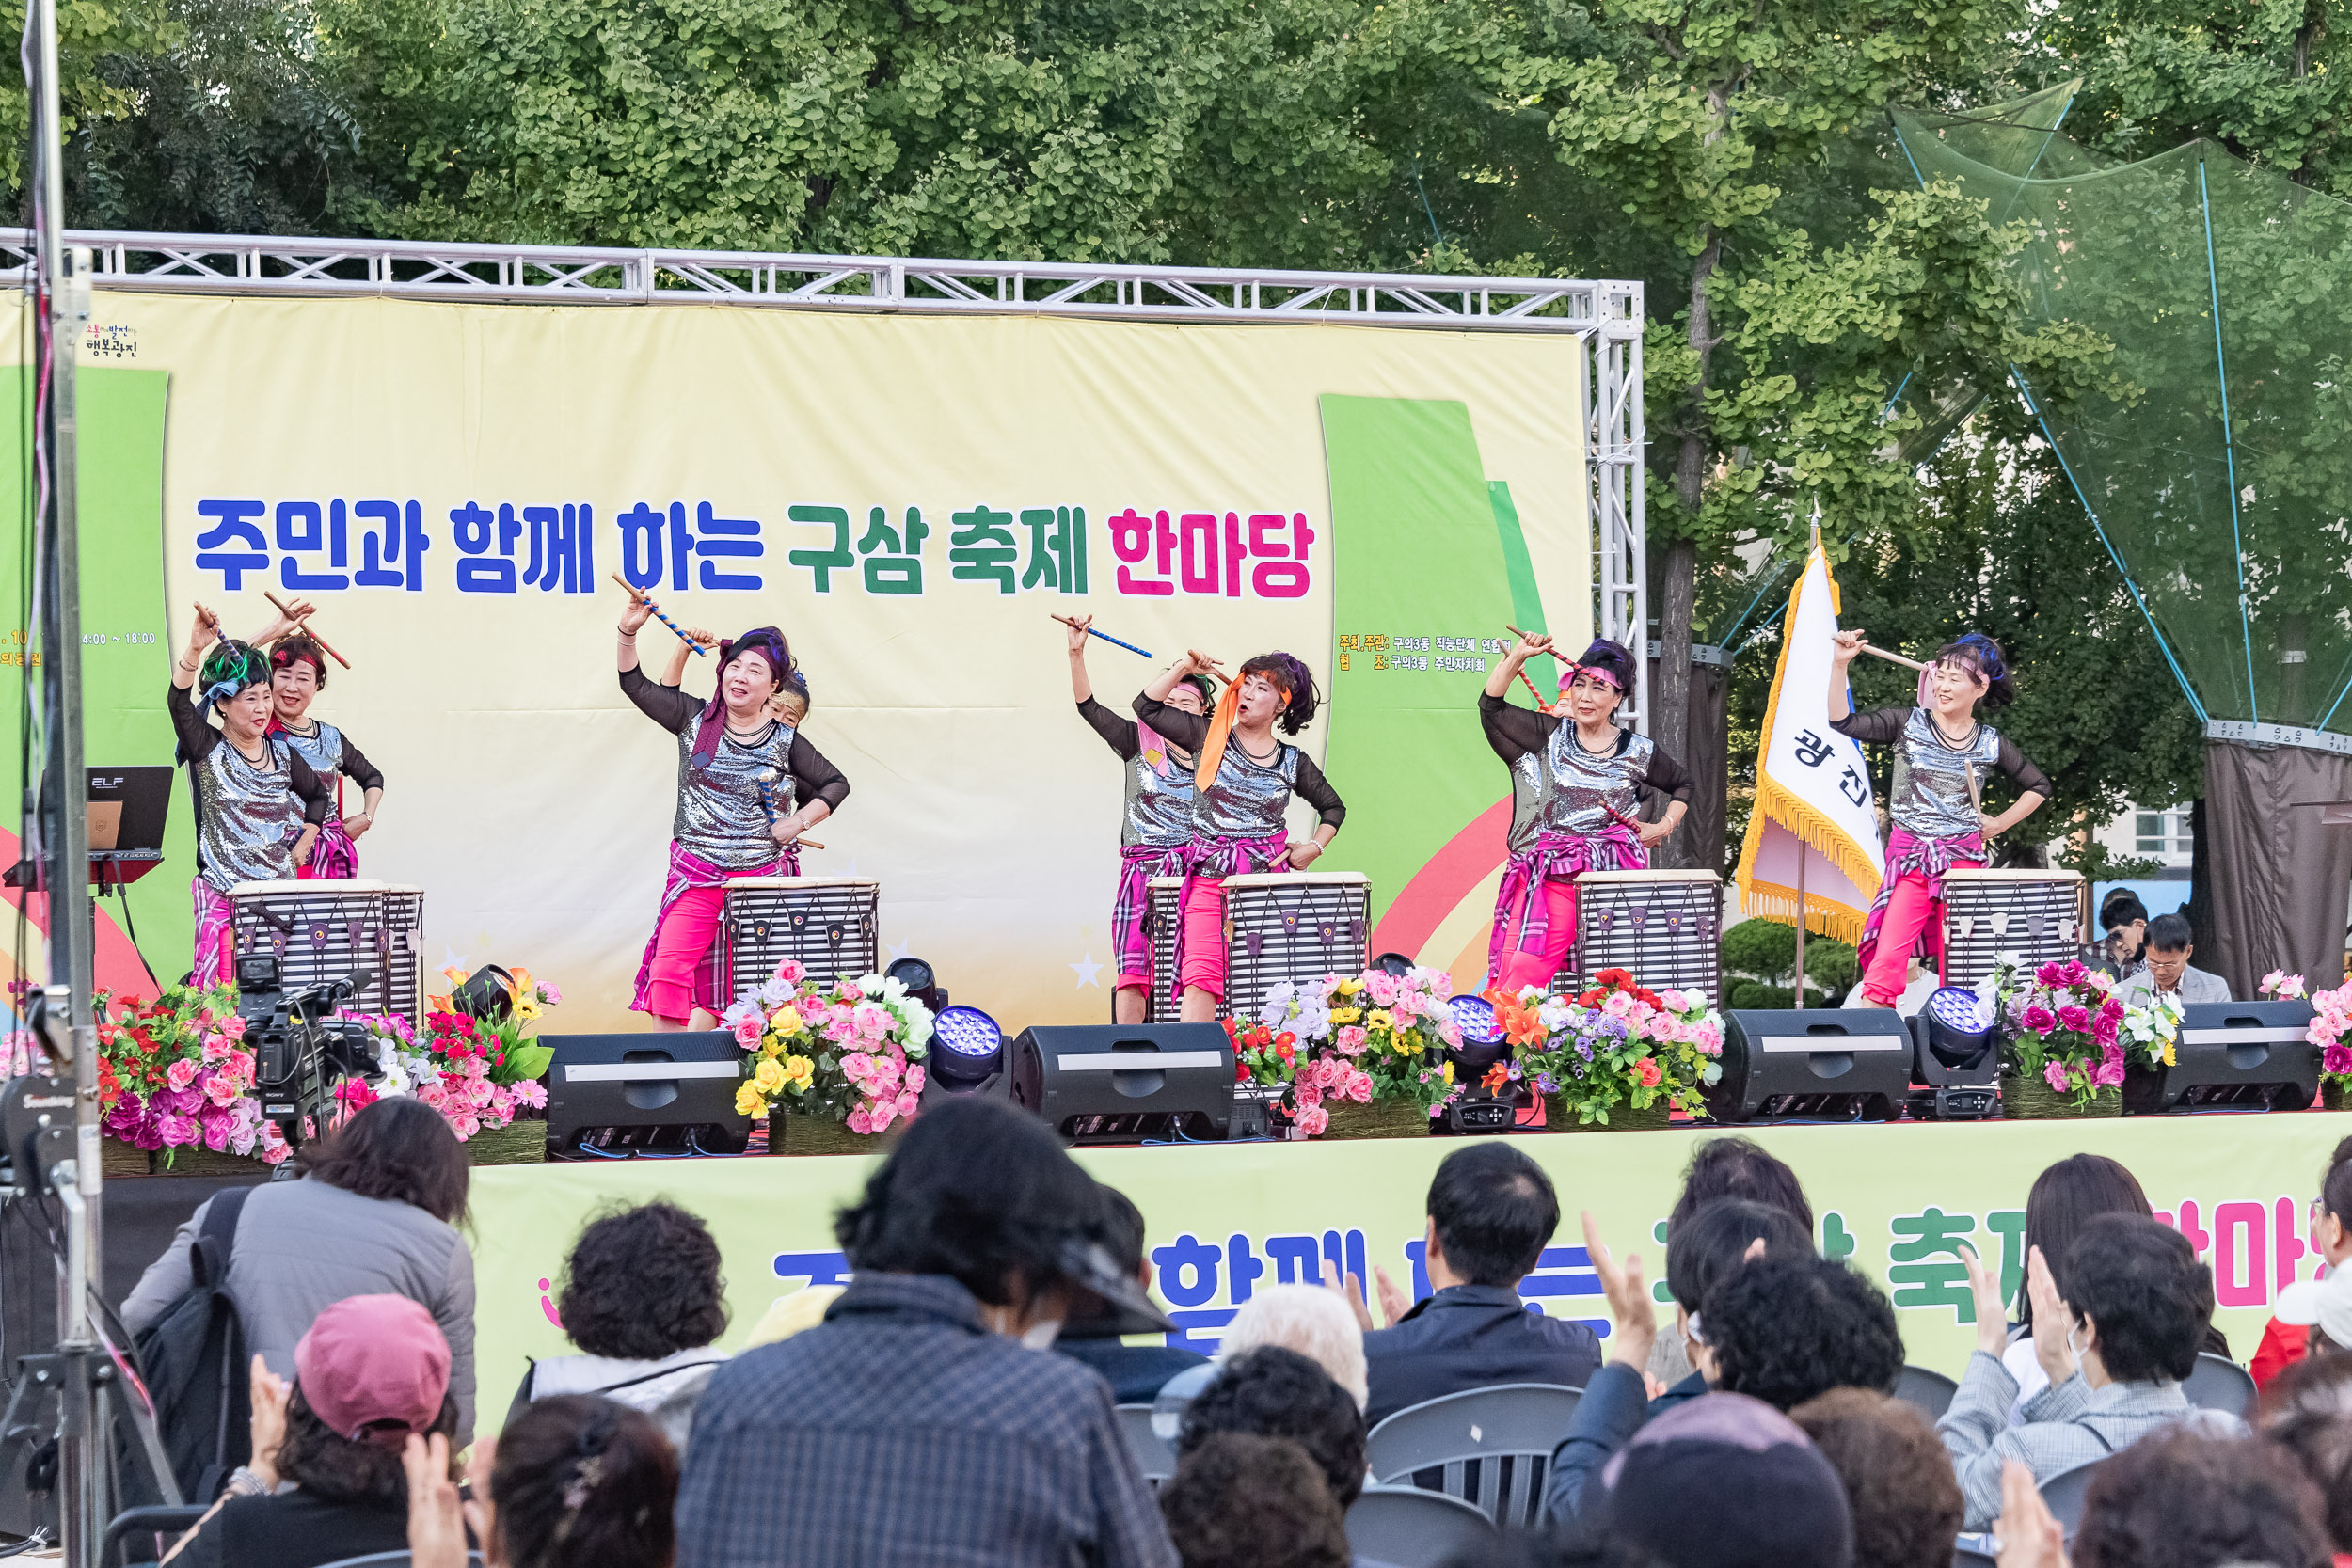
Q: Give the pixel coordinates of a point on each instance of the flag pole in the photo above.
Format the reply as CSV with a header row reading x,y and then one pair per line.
x,y
1812,547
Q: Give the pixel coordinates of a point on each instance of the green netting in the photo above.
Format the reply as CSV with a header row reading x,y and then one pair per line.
x,y
2223,481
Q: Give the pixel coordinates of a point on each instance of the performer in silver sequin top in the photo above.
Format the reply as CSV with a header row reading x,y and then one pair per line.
x,y
297,676
1574,784
257,804
748,785
1942,759
1243,779
1155,815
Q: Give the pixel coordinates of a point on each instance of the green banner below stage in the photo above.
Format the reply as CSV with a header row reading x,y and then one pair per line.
x,y
1900,1202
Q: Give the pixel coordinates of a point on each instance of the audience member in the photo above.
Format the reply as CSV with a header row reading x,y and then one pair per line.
x,y
1898,1478
2284,1342
2124,919
642,1297
2322,1444
973,1240
1273,1392
1704,1249
2184,1499
576,1482
1726,1482
1786,1329
1135,1373
1739,1168
325,1480
2319,1384
2167,971
375,1213
2115,1351
1491,1214
1316,1322
1241,1501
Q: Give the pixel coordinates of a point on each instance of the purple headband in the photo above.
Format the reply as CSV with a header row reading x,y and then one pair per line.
x,y
768,643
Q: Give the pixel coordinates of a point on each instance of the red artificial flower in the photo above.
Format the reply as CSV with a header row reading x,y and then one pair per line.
x,y
1241,1070
1615,977
1590,999
1284,1048
1498,1076
1286,1037
1648,1073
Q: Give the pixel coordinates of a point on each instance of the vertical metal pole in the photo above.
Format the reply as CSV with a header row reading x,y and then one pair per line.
x,y
1801,853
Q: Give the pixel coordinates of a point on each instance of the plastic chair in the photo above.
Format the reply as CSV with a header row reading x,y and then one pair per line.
x,y
1408,1527
1930,1393
159,1519
1491,1447
1155,1456
2064,1493
2219,1385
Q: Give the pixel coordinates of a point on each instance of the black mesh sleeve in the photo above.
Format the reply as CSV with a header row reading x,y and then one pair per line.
x,y
816,779
359,769
1513,732
2030,780
318,799
1118,733
196,737
1878,725
1667,776
1316,790
1188,730
666,705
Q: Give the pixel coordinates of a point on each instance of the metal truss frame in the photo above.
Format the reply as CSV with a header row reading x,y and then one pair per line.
x,y
1606,317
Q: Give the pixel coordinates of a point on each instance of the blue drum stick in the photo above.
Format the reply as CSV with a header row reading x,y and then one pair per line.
x,y
694,647
1106,637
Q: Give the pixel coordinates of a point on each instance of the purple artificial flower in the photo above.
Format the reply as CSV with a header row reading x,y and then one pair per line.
x,y
2106,1075
2039,1019
2106,1030
2073,974
176,1131
2049,974
2074,1018
2054,1074
2337,1058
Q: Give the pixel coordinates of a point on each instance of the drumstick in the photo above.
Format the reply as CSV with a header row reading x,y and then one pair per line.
x,y
1071,621
304,626
698,649
1891,658
1530,685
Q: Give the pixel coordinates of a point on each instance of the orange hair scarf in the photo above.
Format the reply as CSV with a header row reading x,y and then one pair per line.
x,y
1222,726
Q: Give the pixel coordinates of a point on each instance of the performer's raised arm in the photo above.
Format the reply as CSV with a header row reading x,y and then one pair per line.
x,y
1117,731
1513,732
297,677
675,676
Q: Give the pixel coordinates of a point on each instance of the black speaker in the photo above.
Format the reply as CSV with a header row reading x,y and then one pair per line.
x,y
1819,1065
2250,1055
610,1096
1956,1057
1113,1083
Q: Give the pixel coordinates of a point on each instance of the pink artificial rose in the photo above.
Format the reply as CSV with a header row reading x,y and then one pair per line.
x,y
223,1090
1352,1039
2337,1059
2055,1075
215,1049
916,1078
216,1133
2106,1030
1382,984
2106,1075
2112,1011
909,1102
1307,1095
2072,973
2074,1018
790,971
747,1032
1313,1121
850,992
180,1073
884,1112
1359,1088
176,1131
2039,1019
861,1123
2050,974
232,1026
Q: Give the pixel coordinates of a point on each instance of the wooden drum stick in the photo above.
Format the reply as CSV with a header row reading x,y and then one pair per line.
x,y
304,625
639,595
1891,658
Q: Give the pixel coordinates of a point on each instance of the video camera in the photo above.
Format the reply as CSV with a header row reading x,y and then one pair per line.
x,y
298,1051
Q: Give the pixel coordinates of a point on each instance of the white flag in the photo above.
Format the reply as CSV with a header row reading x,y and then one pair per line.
x,y
1812,788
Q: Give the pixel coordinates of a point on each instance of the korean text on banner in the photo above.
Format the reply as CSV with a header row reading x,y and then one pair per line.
x,y
1814,811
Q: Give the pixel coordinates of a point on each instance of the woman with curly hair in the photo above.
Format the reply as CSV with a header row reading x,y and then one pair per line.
x,y
1575,781
1242,782
257,804
642,1298
1942,754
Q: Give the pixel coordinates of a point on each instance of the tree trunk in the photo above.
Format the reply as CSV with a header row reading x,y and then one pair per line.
x,y
1678,589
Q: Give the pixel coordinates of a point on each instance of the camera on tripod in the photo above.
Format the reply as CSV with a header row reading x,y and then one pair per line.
x,y
298,1051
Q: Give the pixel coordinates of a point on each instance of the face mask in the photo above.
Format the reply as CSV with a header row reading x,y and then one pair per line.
x,y
2074,1350
1041,1334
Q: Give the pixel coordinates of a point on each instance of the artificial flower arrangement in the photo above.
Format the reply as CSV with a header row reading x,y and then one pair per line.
x,y
2066,1029
845,1051
1351,1039
174,1073
2331,1019
1616,1045
480,1074
2151,1031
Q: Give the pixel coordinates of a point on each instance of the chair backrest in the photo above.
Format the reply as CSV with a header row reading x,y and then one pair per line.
x,y
2219,1385
2064,1493
1930,1393
1487,1446
143,1526
1413,1528
390,1560
1963,1558
1155,1456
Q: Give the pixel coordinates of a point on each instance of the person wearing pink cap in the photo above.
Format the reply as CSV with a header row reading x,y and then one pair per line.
x,y
327,1481
1576,778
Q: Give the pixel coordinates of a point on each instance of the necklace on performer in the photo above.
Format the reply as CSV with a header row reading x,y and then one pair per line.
x,y
1605,748
251,760
1946,736
1266,761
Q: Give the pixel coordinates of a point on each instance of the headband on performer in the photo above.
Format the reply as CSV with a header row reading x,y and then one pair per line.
x,y
768,643
1604,660
231,668
297,649
1981,657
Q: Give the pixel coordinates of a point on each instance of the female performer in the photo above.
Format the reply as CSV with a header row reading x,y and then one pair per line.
x,y
1573,790
790,706
257,804
298,675
1242,782
1942,753
1156,823
748,786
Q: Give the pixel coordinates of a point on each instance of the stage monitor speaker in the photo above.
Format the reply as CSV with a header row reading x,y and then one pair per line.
x,y
1109,1083
1820,1065
616,1095
2249,1055
1956,1057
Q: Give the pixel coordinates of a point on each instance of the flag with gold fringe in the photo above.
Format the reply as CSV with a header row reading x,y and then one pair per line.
x,y
1813,833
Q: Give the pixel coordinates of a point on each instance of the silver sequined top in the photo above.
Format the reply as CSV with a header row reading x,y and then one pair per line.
x,y
1930,795
721,816
1245,800
323,748
1529,778
1158,812
247,816
1580,786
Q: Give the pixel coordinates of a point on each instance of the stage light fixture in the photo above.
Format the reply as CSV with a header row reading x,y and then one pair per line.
x,y
1396,964
1960,1027
969,1048
487,995
1481,1033
920,982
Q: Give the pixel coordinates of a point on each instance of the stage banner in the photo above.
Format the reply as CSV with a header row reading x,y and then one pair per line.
x,y
910,499
1901,1203
1815,828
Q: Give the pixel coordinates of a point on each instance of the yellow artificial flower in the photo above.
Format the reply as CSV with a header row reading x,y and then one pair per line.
x,y
1347,1015
797,1070
767,1075
1448,1070
749,1101
1380,1020
2168,1055
1349,988
785,1022
526,1005
772,1047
